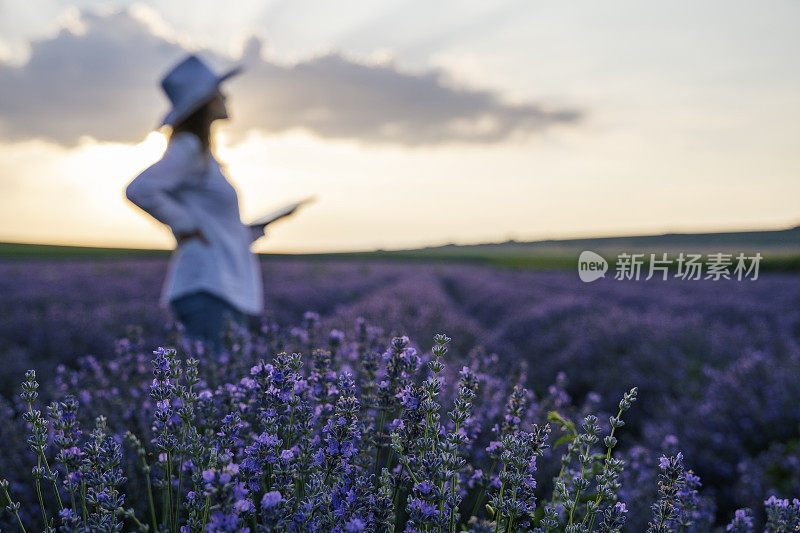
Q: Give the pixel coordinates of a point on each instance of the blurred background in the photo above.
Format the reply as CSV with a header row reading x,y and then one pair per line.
x,y
415,123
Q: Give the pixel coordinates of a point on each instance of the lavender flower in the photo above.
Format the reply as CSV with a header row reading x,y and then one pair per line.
x,y
742,522
260,442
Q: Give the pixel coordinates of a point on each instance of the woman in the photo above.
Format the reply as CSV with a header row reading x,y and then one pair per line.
x,y
212,274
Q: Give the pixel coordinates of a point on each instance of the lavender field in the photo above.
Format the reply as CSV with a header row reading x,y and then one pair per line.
x,y
379,424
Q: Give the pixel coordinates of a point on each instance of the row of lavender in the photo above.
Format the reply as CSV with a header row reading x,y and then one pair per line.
x,y
353,441
722,354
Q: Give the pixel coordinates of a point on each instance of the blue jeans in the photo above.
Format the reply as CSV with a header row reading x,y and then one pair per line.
x,y
203,317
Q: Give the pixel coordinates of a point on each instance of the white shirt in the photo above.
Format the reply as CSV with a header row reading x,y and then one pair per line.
x,y
187,191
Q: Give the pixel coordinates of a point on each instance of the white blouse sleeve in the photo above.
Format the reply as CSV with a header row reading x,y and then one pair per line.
x,y
152,190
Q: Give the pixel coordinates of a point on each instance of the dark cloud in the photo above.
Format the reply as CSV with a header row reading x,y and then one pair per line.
x,y
103,83
99,84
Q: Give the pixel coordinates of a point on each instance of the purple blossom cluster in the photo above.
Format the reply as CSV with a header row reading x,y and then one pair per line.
x,y
715,365
353,441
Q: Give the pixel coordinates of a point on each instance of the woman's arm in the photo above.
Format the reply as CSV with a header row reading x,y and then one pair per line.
x,y
152,189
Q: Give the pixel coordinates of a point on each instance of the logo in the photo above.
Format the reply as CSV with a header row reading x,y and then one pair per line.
x,y
591,266
686,266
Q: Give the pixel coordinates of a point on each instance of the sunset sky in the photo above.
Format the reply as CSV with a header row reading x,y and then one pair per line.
x,y
413,122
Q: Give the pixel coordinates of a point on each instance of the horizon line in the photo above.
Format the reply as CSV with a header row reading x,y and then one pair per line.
x,y
430,246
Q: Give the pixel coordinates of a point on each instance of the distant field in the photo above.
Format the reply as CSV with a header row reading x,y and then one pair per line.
x,y
715,362
11,250
520,256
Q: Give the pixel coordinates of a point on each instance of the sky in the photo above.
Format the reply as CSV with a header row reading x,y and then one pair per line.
x,y
414,123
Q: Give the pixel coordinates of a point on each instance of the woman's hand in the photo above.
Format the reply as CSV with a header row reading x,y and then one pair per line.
x,y
183,237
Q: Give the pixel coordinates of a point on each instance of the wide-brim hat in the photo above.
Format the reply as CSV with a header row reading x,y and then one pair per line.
x,y
189,85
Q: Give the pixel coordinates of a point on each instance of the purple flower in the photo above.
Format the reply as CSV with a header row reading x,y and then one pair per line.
x,y
494,446
425,487
221,521
243,505
271,499
354,525
407,398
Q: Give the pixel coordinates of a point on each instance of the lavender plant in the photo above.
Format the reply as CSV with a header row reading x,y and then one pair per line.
x,y
262,441
697,351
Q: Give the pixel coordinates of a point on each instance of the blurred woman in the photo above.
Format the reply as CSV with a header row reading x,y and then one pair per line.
x,y
212,275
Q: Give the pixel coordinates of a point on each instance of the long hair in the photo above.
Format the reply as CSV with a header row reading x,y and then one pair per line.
x,y
198,123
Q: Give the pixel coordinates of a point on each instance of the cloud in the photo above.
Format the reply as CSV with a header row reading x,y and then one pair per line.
x,y
98,83
102,83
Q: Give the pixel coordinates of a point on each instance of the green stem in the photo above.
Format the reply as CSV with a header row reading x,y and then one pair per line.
x,y
164,514
83,503
133,516
389,459
53,481
180,486
608,458
71,491
380,441
40,452
578,491
180,465
169,489
436,435
482,492
303,470
410,473
499,502
451,528
510,522
114,519
150,496
205,514
39,491
560,475
269,477
168,510
396,490
10,506
291,415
